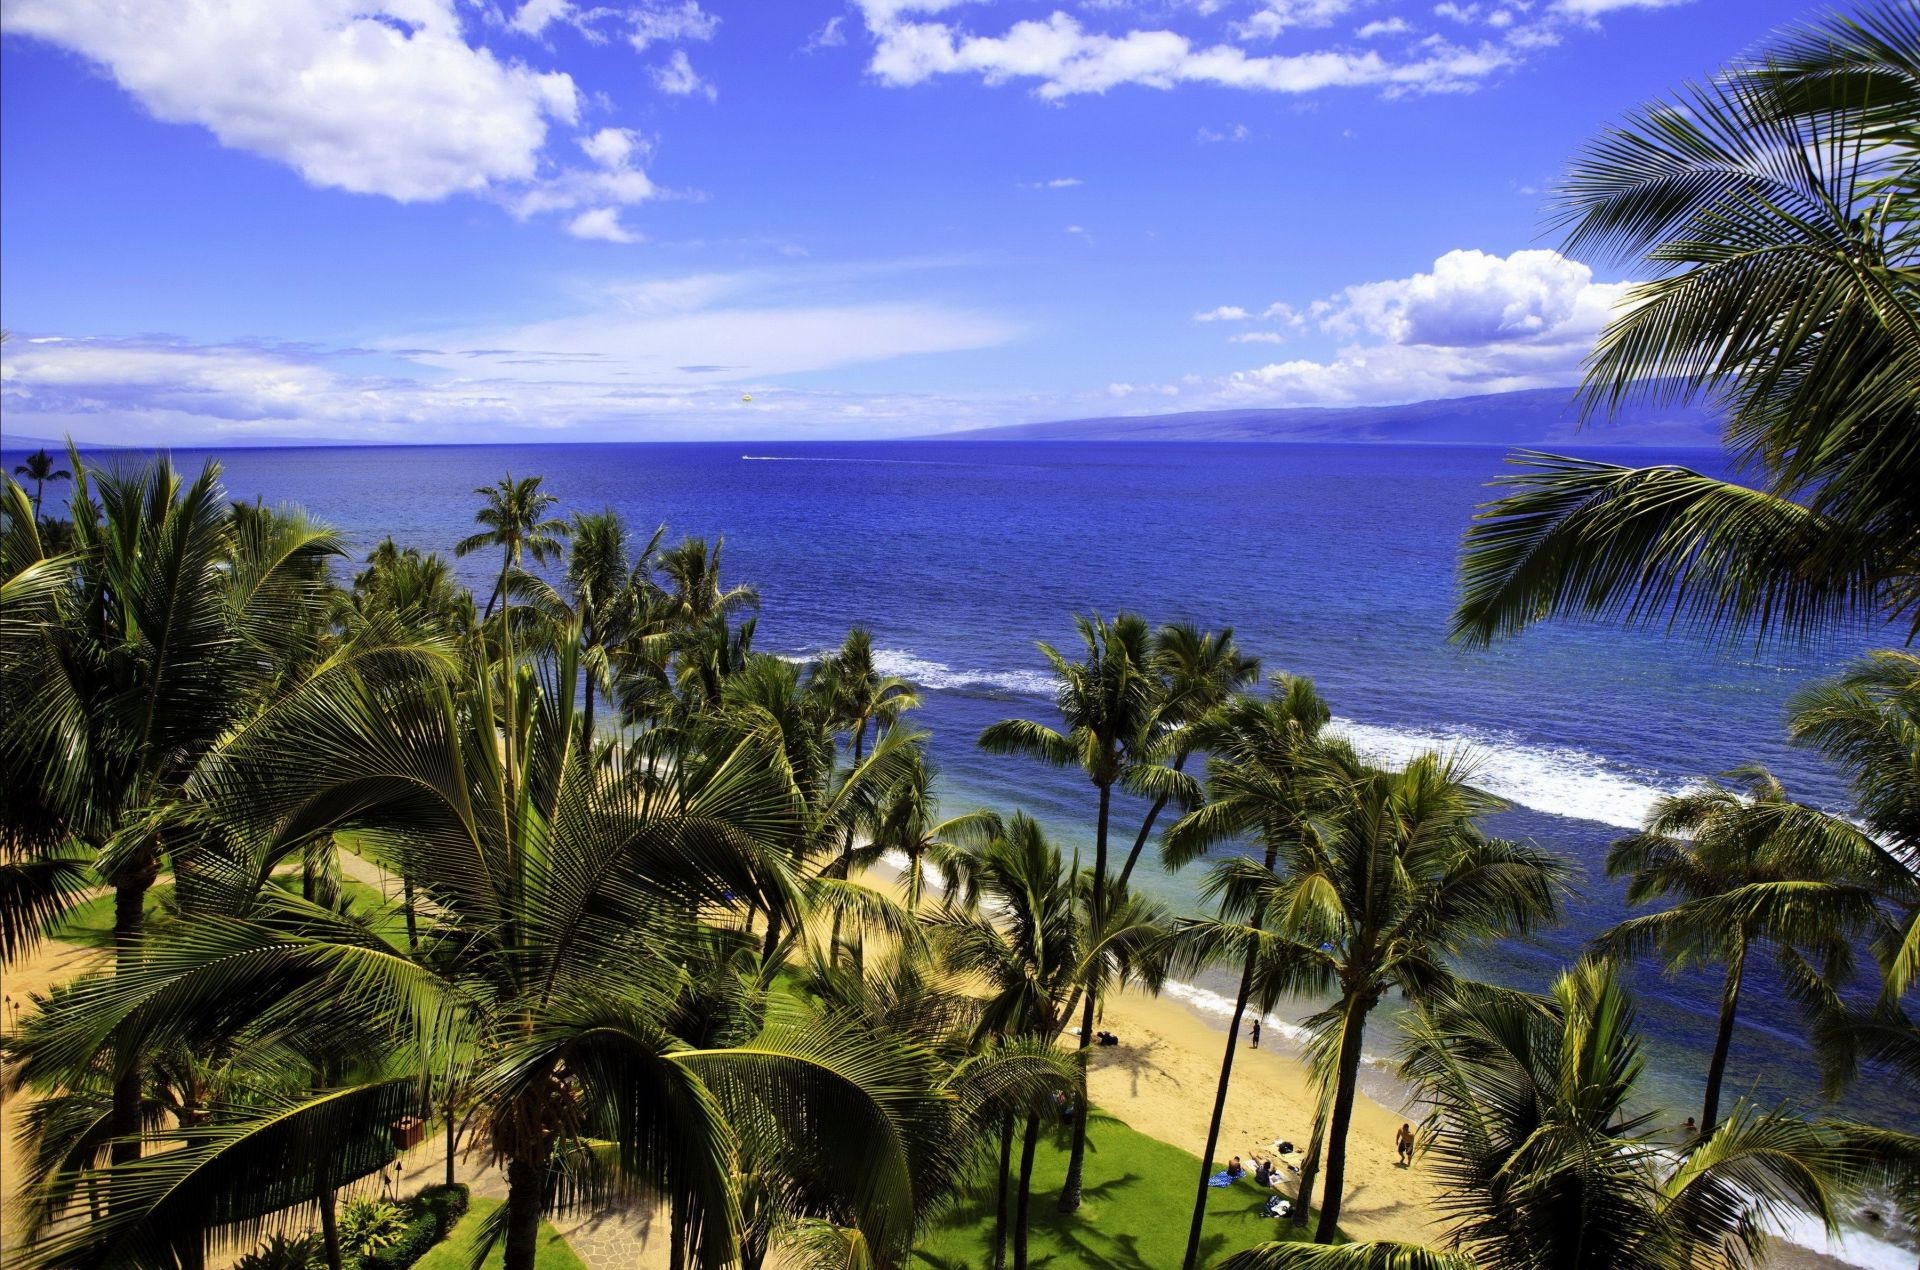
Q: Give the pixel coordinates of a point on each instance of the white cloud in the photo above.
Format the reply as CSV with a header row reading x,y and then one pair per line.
x,y
1257,337
1057,183
1474,323
670,23
1225,313
536,16
830,36
372,96
601,223
1063,58
613,147
679,79
666,357
1383,26
1594,8
1238,132
1276,16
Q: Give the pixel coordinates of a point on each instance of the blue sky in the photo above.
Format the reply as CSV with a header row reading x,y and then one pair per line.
x,y
436,220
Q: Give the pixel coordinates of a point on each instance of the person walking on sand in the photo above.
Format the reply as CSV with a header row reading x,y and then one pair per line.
x,y
1403,1144
1255,1031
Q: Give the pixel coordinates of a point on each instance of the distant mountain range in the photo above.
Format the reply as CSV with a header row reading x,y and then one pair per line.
x,y
1537,416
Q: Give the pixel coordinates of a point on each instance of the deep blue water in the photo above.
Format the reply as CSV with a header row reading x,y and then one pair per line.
x,y
1331,561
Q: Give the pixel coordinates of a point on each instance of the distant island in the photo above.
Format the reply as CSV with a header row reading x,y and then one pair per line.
x,y
1537,416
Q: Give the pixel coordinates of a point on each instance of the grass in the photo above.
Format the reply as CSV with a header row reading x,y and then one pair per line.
x,y
1135,1208
455,1252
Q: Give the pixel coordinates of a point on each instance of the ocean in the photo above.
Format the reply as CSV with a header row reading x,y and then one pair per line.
x,y
1333,561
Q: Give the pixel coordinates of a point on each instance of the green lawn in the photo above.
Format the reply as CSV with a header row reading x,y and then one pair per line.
x,y
455,1252
91,922
1137,1202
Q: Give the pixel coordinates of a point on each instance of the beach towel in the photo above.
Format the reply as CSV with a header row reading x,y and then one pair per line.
x,y
1222,1178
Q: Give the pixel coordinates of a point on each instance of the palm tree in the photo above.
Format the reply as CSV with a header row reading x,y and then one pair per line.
x,y
1544,1162
1029,956
1393,877
569,885
1197,670
1255,790
699,609
512,514
1775,208
909,822
862,697
1718,852
1106,701
178,618
39,468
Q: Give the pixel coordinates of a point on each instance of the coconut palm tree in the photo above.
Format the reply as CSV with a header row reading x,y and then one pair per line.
x,y
1029,954
1543,1161
909,822
699,609
1106,700
1393,877
1718,854
177,618
1198,670
39,468
1256,790
569,884
859,696
1774,209
515,516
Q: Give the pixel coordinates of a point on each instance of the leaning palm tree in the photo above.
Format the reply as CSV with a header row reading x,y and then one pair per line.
x,y
569,884
1106,700
40,468
1775,209
1256,787
1198,670
908,822
1544,1162
1392,878
515,516
1721,855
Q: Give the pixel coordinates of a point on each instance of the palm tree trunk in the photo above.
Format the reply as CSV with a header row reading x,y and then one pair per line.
x,y
1220,1092
129,935
453,1129
1025,1193
677,1226
1723,1040
1000,1198
1077,1159
330,1227
1146,829
1309,1169
845,862
413,924
524,1201
1349,1079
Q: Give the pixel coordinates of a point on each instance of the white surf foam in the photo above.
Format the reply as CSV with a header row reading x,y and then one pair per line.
x,y
1557,780
928,673
1852,1245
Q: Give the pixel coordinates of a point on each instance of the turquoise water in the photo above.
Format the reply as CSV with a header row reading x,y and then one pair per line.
x,y
1331,561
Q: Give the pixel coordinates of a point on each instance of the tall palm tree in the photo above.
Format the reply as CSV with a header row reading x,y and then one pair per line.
x,y
178,618
1393,877
569,885
39,468
1776,209
1544,1162
515,516
1197,670
909,822
1256,789
700,609
1029,955
1718,853
1106,700
862,697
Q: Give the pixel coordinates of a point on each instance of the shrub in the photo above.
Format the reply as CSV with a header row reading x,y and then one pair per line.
x,y
368,1227
430,1215
298,1252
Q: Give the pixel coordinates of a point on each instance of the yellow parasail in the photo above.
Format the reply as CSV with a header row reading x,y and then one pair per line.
x,y
747,397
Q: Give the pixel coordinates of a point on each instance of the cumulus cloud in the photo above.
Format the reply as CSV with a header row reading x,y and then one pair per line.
x,y
679,79
602,223
1276,16
671,353
1382,26
1225,313
1257,337
1474,323
670,24
1062,58
372,96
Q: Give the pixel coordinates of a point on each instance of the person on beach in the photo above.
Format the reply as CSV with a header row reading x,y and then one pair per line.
x,y
1403,1143
1255,1031
1235,1169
